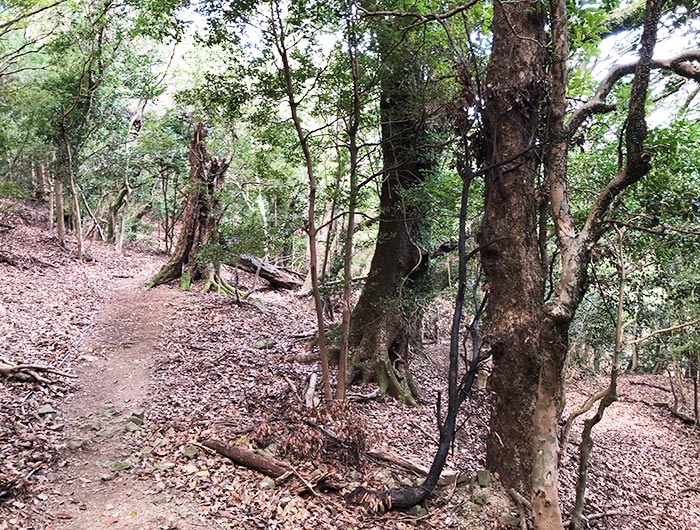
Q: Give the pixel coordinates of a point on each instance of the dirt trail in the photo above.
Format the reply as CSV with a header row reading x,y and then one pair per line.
x,y
99,484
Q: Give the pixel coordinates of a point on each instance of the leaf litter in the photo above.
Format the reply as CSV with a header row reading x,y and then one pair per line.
x,y
240,374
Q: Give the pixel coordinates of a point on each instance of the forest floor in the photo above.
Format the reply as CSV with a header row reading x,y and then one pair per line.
x,y
159,370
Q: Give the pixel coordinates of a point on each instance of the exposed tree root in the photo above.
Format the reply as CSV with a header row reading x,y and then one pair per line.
x,y
643,383
685,419
30,372
216,283
10,260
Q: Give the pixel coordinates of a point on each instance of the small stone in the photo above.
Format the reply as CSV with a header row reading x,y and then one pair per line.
x,y
484,478
136,420
121,465
131,426
160,486
74,443
509,520
160,499
267,483
93,425
190,450
107,477
138,413
265,344
482,499
164,465
190,469
46,409
108,409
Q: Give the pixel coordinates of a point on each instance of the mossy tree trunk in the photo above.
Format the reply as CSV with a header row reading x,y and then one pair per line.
x,y
200,219
386,322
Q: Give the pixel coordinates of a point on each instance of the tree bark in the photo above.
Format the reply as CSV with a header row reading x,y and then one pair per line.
x,y
515,88
386,322
200,219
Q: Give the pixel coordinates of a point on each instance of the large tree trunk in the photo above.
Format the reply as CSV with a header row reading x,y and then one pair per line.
x,y
201,216
511,258
386,323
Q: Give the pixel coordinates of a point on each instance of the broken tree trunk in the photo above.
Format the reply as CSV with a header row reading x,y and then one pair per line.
x,y
201,216
275,276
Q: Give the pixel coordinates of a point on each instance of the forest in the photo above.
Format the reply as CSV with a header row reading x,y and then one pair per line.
x,y
300,264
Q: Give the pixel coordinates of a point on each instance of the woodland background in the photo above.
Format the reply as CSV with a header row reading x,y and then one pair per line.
x,y
507,187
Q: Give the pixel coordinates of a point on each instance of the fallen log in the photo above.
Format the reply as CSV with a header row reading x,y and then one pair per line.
x,y
273,468
276,277
249,458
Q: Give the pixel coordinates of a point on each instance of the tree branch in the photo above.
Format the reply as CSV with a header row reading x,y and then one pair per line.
x,y
679,64
664,330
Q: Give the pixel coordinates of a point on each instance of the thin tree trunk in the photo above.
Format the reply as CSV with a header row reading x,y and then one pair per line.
x,y
60,219
350,232
76,203
278,29
52,203
608,398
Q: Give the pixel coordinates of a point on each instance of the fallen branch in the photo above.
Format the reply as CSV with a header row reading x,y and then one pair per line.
x,y
311,391
524,507
248,458
271,467
30,372
519,499
448,476
10,260
652,385
363,398
599,515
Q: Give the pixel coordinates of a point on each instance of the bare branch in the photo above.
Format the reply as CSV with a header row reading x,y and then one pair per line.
x,y
664,330
665,229
679,64
420,17
10,23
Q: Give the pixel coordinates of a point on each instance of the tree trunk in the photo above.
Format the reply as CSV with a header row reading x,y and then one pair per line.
x,y
113,210
60,219
78,227
511,258
386,323
201,216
